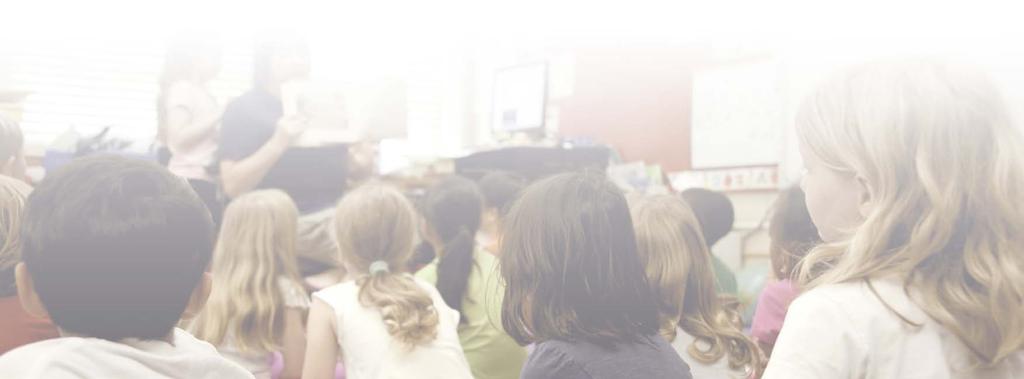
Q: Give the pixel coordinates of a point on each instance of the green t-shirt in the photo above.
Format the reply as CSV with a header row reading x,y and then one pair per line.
x,y
490,351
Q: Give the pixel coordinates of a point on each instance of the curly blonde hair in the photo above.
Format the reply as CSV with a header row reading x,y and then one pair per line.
x,y
377,223
935,144
678,264
13,194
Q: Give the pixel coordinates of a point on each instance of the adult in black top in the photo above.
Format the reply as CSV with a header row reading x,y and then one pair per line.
x,y
256,149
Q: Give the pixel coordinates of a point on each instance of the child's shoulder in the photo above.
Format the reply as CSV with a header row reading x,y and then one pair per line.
x,y
346,288
36,358
349,290
862,302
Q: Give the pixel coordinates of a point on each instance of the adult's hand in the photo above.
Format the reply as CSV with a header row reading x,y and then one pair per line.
x,y
289,129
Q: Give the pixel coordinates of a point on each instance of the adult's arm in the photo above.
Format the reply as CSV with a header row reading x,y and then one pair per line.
x,y
240,176
184,133
294,344
184,129
321,345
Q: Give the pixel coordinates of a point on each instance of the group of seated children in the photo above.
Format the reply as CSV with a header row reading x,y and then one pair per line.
x,y
910,268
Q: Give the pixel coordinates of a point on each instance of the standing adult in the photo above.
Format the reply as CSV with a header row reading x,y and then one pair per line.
x,y
257,150
189,115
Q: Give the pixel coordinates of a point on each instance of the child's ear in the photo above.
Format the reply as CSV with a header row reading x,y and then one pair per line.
x,y
199,297
867,197
27,292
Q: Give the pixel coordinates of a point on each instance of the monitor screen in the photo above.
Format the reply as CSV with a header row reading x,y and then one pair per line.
x,y
520,94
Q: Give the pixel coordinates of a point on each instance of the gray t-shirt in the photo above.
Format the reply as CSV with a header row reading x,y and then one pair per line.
x,y
648,357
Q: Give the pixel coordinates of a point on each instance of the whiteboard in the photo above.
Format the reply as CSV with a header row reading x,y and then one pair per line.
x,y
738,115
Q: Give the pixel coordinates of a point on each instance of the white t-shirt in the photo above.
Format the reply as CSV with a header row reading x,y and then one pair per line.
x,y
77,357
368,351
200,106
844,331
717,370
259,363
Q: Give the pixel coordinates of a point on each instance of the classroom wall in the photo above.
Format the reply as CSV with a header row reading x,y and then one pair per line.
x,y
636,99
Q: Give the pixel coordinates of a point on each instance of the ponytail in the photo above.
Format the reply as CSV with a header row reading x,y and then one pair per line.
x,y
374,226
453,208
406,308
454,267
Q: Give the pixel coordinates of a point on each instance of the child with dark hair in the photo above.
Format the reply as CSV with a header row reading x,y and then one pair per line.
x,y
466,277
793,235
115,252
500,189
716,216
577,287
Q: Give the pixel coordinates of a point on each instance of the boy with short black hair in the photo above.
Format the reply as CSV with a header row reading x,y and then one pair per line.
x,y
115,251
716,215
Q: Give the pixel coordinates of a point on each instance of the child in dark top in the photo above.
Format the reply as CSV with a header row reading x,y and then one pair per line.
x,y
500,189
576,286
716,215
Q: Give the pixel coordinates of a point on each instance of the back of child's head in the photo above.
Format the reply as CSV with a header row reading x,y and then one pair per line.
x,y
115,247
254,252
792,232
453,208
935,149
375,226
570,261
500,189
11,145
680,273
714,212
13,194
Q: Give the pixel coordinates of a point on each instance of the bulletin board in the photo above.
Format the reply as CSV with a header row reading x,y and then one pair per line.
x,y
738,115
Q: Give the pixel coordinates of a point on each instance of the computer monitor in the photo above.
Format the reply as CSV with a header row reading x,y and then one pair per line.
x,y
519,98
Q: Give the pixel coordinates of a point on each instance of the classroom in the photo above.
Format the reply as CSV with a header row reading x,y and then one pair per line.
x,y
538,190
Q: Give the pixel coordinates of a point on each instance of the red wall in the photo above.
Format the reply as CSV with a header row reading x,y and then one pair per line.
x,y
636,100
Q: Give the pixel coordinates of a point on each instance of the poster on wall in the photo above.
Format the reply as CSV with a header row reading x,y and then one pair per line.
x,y
738,115
755,178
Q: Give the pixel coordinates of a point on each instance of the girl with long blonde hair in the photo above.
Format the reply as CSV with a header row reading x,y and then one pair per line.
x,y
914,177
679,271
384,322
258,305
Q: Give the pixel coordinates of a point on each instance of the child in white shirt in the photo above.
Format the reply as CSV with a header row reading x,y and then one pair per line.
x,y
914,172
382,321
114,252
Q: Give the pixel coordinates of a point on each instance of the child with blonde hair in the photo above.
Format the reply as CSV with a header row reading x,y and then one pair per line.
x,y
680,273
914,176
12,149
383,322
257,306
